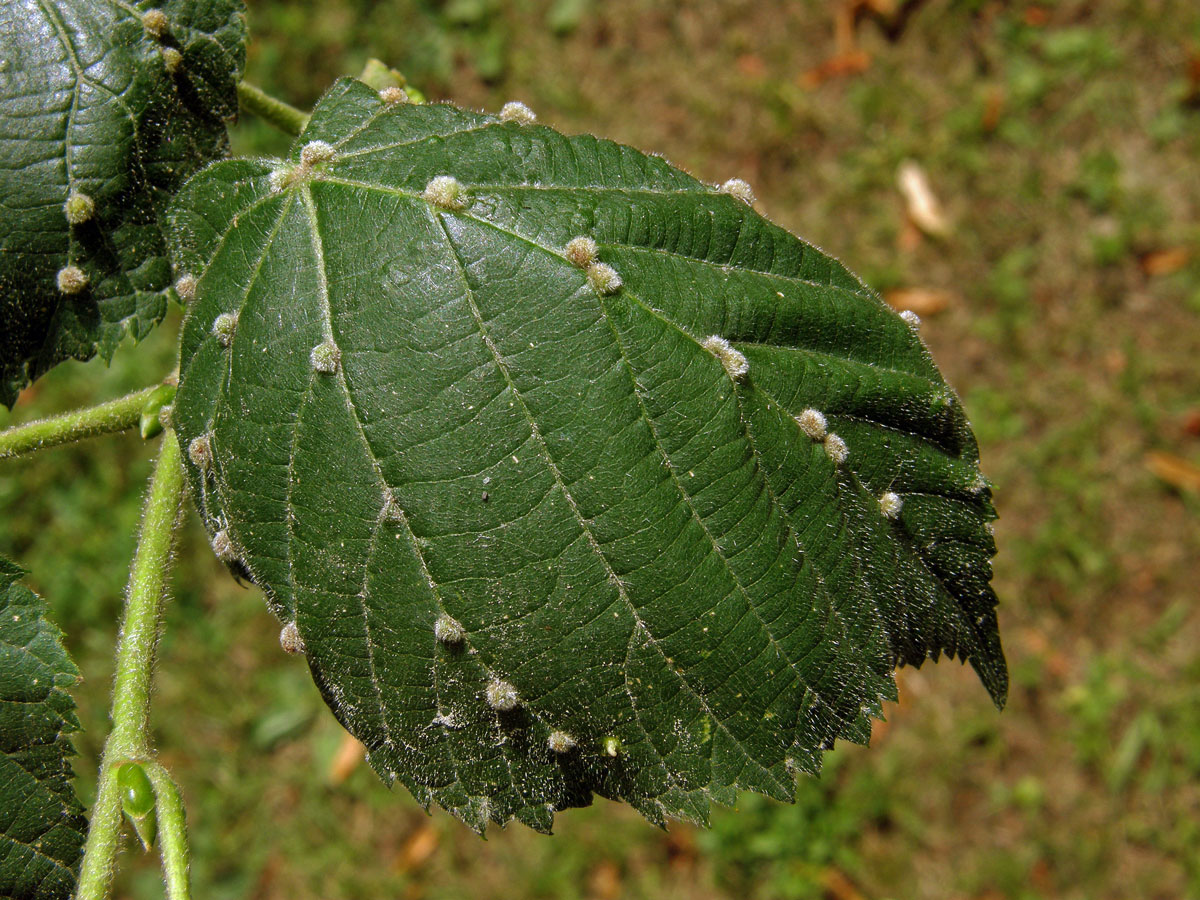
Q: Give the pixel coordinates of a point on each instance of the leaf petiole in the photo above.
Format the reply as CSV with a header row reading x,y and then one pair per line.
x,y
270,109
172,832
115,415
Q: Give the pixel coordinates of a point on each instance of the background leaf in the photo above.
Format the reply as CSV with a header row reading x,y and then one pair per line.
x,y
111,109
458,463
41,821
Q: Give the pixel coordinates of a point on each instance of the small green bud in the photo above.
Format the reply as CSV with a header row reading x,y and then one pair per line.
x,y
379,75
137,794
610,745
149,424
137,801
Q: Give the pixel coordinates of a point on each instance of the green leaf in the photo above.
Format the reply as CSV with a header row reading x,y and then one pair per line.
x,y
105,109
41,821
537,533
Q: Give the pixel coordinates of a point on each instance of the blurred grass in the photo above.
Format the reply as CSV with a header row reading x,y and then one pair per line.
x,y
1063,140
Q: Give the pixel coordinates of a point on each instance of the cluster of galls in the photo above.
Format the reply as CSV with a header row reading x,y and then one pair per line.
x,y
503,696
79,209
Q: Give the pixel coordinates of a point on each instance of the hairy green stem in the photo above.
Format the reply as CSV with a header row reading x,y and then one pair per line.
x,y
282,115
116,415
172,832
129,738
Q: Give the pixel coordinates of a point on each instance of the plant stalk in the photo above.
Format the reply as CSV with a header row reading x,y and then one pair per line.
x,y
116,415
129,738
172,832
282,115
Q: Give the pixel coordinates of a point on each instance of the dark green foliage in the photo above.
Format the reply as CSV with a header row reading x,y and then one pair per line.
x,y
103,114
409,404
41,821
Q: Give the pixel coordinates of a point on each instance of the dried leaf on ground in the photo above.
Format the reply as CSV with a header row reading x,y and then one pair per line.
x,y
1174,470
1164,262
922,301
921,204
349,754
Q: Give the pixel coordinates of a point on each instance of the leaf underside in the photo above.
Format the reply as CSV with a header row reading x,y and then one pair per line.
x,y
643,545
89,105
41,821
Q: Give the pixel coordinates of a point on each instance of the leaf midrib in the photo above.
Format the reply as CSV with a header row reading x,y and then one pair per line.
x,y
402,517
